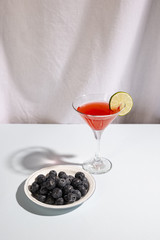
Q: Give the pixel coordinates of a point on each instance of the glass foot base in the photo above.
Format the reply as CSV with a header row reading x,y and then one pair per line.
x,y
98,167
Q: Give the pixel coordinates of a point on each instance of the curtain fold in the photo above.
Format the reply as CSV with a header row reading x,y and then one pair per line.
x,y
54,51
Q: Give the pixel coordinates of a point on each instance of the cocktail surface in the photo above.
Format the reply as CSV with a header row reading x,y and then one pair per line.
x,y
97,114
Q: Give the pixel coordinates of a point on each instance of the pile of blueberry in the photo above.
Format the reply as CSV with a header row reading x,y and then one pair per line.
x,y
59,188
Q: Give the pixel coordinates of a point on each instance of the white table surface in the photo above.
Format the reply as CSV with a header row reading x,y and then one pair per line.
x,y
126,202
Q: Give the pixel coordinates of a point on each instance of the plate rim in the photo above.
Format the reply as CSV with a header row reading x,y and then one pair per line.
x,y
74,168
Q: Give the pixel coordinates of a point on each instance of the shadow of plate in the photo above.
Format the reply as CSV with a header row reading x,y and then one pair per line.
x,y
31,207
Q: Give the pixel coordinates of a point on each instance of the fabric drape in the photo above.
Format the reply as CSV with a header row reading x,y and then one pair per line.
x,y
54,51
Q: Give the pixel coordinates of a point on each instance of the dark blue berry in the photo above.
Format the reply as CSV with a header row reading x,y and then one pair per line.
x,y
85,183
80,175
69,179
76,182
65,197
78,193
85,179
59,201
40,178
53,173
41,197
50,184
62,174
57,193
82,189
43,190
34,187
61,182
49,200
67,189
71,197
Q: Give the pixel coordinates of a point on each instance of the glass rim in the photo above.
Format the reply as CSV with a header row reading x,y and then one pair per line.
x,y
100,116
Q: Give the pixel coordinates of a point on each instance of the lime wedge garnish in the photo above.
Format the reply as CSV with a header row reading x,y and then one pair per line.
x,y
122,100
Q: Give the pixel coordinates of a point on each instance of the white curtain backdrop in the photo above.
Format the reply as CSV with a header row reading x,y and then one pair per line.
x,y
52,51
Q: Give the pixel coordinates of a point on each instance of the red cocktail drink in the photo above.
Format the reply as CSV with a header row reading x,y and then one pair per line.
x,y
98,115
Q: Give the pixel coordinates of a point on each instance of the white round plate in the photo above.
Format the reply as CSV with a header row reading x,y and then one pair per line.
x,y
70,170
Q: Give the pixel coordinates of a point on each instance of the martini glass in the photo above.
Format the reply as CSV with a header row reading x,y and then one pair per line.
x,y
94,109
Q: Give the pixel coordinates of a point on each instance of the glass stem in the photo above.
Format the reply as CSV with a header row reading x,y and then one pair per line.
x,y
97,135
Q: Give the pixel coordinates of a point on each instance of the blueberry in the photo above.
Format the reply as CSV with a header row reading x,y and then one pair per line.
x,y
34,187
68,182
80,175
65,197
50,184
41,197
67,189
61,182
76,182
53,173
78,194
43,190
50,193
62,175
69,179
59,201
57,193
49,200
85,183
71,197
85,179
40,178
82,189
